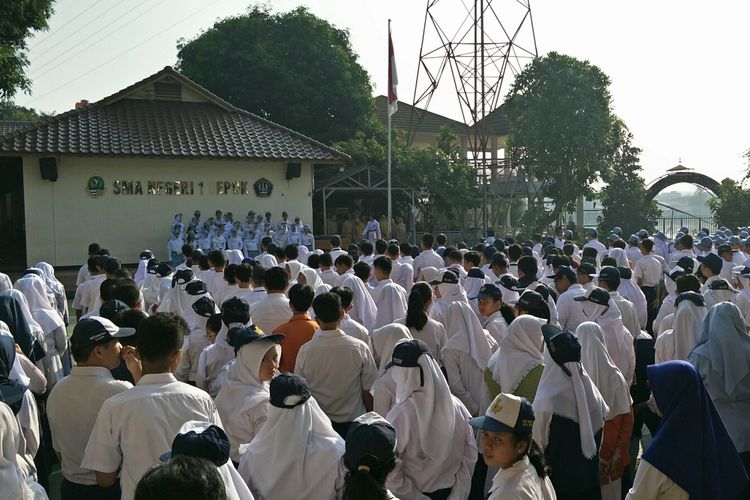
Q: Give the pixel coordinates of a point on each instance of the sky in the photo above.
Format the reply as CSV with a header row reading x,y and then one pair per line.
x,y
678,68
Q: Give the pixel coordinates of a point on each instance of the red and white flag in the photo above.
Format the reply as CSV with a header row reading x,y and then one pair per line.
x,y
392,77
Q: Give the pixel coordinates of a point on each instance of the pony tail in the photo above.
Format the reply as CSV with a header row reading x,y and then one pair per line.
x,y
536,457
507,313
416,317
360,484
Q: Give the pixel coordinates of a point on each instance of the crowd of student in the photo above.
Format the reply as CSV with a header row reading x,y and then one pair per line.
x,y
510,370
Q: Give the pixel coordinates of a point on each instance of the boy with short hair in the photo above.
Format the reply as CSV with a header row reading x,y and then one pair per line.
x,y
300,327
273,310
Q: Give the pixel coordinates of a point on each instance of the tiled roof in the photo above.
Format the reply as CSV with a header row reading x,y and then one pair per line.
x,y
407,118
496,122
124,126
8,126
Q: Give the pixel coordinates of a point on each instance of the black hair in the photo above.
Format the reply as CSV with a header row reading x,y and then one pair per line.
x,y
160,335
345,259
420,294
125,290
648,244
335,241
688,283
392,251
203,263
540,309
187,250
327,307
380,246
367,484
129,318
266,241
230,273
441,239
216,259
366,248
94,248
183,477
535,454
687,241
325,260
405,248
213,323
384,264
453,254
589,252
279,253
536,238
301,297
94,263
612,283
362,270
527,265
103,252
560,260
259,276
122,274
620,244
313,261
609,261
105,289
507,313
515,252
345,294
473,257
276,279
428,240
568,249
291,252
243,273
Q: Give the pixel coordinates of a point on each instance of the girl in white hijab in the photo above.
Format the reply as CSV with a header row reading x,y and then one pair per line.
x,y
617,338
630,290
243,398
679,341
620,257
49,366
309,276
446,294
618,424
293,268
384,340
466,354
56,288
51,323
177,300
14,485
435,443
296,454
473,281
234,257
5,282
364,310
420,324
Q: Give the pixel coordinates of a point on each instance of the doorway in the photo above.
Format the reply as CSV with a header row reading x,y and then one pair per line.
x,y
12,216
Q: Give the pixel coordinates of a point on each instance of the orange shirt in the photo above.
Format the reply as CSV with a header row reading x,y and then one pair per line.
x,y
298,331
616,436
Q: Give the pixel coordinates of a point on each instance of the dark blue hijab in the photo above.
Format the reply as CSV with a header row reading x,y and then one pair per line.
x,y
692,446
11,391
12,314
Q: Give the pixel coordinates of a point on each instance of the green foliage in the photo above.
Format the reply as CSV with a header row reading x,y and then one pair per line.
x,y
624,197
562,129
732,208
293,68
12,112
18,18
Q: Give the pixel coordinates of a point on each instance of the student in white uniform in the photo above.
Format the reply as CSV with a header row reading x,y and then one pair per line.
x,y
390,298
348,325
84,273
125,440
609,279
421,326
273,310
339,368
428,467
87,293
428,257
447,291
363,310
569,312
296,454
742,275
196,341
490,303
402,273
14,481
676,466
74,403
505,441
678,341
384,340
327,274
243,398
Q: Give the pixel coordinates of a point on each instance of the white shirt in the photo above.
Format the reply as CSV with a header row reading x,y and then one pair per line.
x,y
465,379
428,258
87,295
356,330
403,274
652,484
628,313
336,253
521,482
72,408
649,269
391,301
600,248
569,312
329,277
433,334
338,368
83,275
271,312
497,326
135,427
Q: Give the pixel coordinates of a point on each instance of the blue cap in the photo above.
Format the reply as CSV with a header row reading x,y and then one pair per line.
x,y
617,230
593,232
613,237
289,390
238,336
734,240
567,233
489,291
563,346
707,242
633,239
205,441
475,272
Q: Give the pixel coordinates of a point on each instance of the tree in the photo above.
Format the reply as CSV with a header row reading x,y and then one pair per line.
x,y
12,112
294,68
562,130
732,208
624,197
18,18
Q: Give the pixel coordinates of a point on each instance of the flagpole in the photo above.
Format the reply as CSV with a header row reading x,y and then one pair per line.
x,y
390,214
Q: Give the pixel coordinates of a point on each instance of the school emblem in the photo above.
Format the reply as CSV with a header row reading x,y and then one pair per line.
x,y
496,406
263,188
95,187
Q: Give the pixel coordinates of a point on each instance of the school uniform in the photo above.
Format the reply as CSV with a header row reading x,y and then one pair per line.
x,y
355,329
428,258
391,302
402,274
520,481
497,327
212,363
124,436
271,312
87,295
433,335
329,277
569,312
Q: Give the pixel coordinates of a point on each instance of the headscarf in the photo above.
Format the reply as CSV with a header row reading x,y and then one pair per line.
x,y
5,282
465,333
54,286
520,352
177,299
313,279
620,257
574,397
679,341
11,476
632,292
691,446
11,391
364,310
12,314
725,345
384,339
602,370
234,257
304,254
429,405
141,273
294,267
428,274
34,289
296,454
617,338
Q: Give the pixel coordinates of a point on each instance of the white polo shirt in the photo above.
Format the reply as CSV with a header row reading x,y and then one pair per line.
x,y
87,295
649,269
72,408
271,312
135,427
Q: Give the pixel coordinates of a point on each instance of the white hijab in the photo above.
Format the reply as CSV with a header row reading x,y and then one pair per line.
x,y
304,254
296,454
12,483
313,279
5,282
632,292
364,310
520,352
234,257
602,370
617,338
177,300
54,286
465,334
384,339
430,406
35,291
575,397
679,341
620,257
428,274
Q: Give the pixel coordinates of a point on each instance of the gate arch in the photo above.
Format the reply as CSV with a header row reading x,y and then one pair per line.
x,y
689,177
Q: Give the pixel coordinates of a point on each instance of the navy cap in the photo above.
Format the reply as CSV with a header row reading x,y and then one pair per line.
x,y
110,308
613,237
564,271
205,441
596,295
530,299
633,239
239,336
660,236
586,268
289,390
370,444
712,261
406,354
643,233
593,232
734,240
235,310
95,330
625,272
446,276
152,265
686,263
182,276
489,251
567,234
562,345
507,413
163,269
510,283
475,272
146,254
744,271
196,287
693,297
609,274
490,291
675,273
707,242
248,260
204,307
721,284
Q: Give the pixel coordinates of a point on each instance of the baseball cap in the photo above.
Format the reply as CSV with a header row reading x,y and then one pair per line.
x,y
204,307
712,261
289,390
596,295
613,237
567,234
721,284
510,283
475,272
235,310
201,440
506,413
707,242
675,273
406,354
196,287
609,274
445,276
95,330
593,232
110,308
530,299
586,268
687,264
146,254
643,233
182,276
370,443
724,248
562,345
625,272
564,271
163,269
152,265
490,291
239,336
660,235
633,239
617,230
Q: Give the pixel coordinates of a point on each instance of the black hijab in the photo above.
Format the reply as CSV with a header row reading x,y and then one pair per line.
x,y
12,314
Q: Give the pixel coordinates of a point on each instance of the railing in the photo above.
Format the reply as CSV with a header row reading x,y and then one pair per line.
x,y
671,225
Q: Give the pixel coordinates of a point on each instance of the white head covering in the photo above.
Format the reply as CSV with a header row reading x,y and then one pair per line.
x,y
364,310
234,257
520,352
311,277
465,333
630,290
620,257
713,297
35,291
602,370
296,454
430,406
575,397
384,339
194,321
428,274
617,338
5,282
11,478
726,346
304,254
294,267
686,330
177,300
451,292
53,284
472,286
